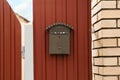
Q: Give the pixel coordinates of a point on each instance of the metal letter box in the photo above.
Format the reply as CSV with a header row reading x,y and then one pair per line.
x,y
59,39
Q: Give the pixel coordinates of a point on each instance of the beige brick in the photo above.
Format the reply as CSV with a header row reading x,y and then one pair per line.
x,y
119,77
97,77
109,70
100,34
119,23
109,33
95,69
94,53
108,23
104,4
96,8
110,78
105,24
98,61
101,70
99,0
109,14
108,42
105,61
118,4
108,4
109,52
94,2
119,42
94,19
117,32
97,44
95,36
105,43
92,28
110,61
119,60
97,26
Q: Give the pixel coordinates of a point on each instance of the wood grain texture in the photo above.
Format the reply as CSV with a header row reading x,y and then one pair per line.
x,y
10,44
77,65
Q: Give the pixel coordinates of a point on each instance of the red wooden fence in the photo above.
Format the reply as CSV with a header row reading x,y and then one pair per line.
x,y
77,65
10,44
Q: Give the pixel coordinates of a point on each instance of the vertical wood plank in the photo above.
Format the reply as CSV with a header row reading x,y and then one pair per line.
x,y
82,20
12,47
1,41
64,8
17,50
10,50
75,37
70,21
59,19
7,41
81,42
50,19
39,22
89,31
43,41
54,56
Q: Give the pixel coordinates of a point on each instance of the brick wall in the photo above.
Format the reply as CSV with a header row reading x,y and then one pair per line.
x,y
106,39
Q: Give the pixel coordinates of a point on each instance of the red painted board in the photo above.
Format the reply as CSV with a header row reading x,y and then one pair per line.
x,y
76,65
10,44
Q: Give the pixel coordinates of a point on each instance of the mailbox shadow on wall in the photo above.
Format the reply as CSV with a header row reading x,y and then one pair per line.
x,y
59,38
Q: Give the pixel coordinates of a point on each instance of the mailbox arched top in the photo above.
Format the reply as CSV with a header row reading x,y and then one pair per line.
x,y
60,24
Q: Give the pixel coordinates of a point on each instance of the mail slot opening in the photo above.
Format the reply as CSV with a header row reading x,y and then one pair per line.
x,y
59,38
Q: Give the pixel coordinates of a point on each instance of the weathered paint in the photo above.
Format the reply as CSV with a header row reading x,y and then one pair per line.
x,y
77,65
10,44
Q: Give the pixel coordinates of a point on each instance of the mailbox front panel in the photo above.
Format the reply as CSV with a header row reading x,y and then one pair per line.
x,y
59,40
